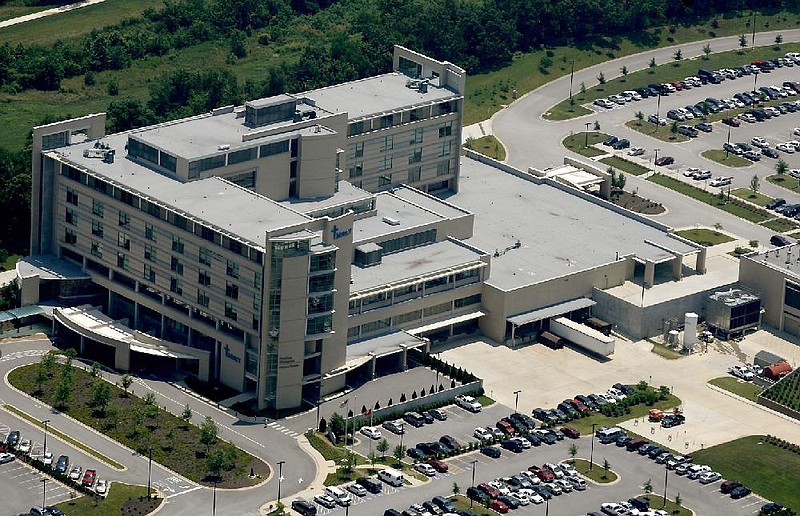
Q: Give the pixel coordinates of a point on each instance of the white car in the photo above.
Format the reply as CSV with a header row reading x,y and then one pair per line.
x,y
721,181
468,403
614,393
76,473
501,487
101,487
522,442
521,498
785,147
709,477
357,490
604,103
695,471
326,501
747,117
760,142
691,171
564,484
6,457
632,94
425,469
635,151
607,397
796,131
47,459
482,434
371,431
24,446
743,372
703,174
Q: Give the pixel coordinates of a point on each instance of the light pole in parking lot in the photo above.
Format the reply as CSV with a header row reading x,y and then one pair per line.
x,y
402,433
546,507
586,141
472,463
571,74
728,145
280,478
755,81
591,452
149,469
666,474
45,438
44,492
655,160
658,110
516,401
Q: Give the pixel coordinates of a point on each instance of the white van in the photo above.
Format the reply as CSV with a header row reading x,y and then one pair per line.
x,y
606,435
468,403
341,497
391,477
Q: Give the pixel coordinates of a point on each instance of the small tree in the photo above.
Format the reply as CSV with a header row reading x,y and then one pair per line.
x,y
48,362
573,451
186,416
398,453
323,425
101,396
63,393
95,372
755,184
596,125
678,55
583,89
624,71
601,78
742,42
127,381
673,129
678,501
214,463
606,468
383,447
778,41
337,424
648,486
639,118
208,433
349,462
652,64
781,167
706,51
150,399
41,377
456,489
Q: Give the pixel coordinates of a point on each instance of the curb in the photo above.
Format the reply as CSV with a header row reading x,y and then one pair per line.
x,y
600,484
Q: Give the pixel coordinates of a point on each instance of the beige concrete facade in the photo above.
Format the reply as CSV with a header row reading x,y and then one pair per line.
x,y
775,275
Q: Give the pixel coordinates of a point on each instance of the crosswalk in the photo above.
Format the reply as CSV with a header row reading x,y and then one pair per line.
x,y
22,354
282,429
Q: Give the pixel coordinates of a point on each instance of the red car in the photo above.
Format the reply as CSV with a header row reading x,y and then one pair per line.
x,y
88,478
665,160
544,474
489,490
570,432
733,122
579,405
498,506
506,427
438,465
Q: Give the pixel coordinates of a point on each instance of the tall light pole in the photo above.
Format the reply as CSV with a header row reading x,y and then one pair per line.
x,y
753,44
280,478
666,473
658,110
571,74
472,463
655,160
546,507
729,143
45,437
516,402
591,452
149,469
586,142
44,492
214,499
402,433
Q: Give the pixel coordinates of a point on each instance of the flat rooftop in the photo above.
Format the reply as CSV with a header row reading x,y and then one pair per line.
x,y
347,194
374,95
408,214
785,259
49,267
559,232
411,264
214,201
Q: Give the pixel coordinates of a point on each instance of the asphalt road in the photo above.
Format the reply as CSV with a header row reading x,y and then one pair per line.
x,y
521,124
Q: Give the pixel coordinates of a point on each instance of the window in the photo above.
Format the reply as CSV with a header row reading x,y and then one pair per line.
x,y
472,273
446,148
97,249
792,295
356,169
356,150
322,324
446,129
387,143
177,244
168,161
242,156
321,283
443,168
257,280
124,219
323,262
202,298
137,149
232,290
70,237
406,242
416,315
122,261
245,179
149,232
414,174
320,304
204,278
205,256
149,273
97,228
257,302
208,234
386,163
387,121
436,309
416,137
124,241
271,149
97,208
230,311
72,196
385,180
71,217
380,324
149,252
415,157
175,286
99,185
176,266
232,269
445,107
151,208
355,128
466,301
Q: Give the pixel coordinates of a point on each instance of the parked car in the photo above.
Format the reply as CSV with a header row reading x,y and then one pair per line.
x,y
6,457
570,432
721,181
665,160
101,487
482,434
468,402
62,464
370,484
621,144
88,478
75,473
491,451
439,414
13,438
779,241
655,119
325,501
498,506
728,486
394,427
673,420
742,372
635,151
771,508
770,153
704,126
709,477
24,446
425,469
611,140
740,492
371,432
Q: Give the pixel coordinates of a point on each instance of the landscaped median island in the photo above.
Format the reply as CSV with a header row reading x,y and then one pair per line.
x,y
139,423
704,236
660,132
738,387
725,158
600,473
636,405
124,499
629,167
785,181
582,143
749,195
767,465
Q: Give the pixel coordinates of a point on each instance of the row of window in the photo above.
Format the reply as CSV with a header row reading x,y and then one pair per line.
x,y
239,156
151,208
356,150
356,170
390,120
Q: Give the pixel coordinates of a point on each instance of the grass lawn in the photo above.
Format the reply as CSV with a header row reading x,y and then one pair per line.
x,y
733,206
779,224
14,10
704,237
112,505
667,72
661,132
663,351
769,470
64,437
731,160
141,426
597,473
340,477
488,146
330,452
785,181
657,502
582,143
584,425
462,503
624,165
749,195
741,388
484,400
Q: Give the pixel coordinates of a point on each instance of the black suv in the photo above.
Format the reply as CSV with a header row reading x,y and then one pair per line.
x,y
303,507
370,484
62,464
12,439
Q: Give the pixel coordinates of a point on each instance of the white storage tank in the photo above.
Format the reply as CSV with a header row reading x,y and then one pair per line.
x,y
672,338
690,331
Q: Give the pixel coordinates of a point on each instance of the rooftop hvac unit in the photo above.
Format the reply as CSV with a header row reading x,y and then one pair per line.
x,y
391,221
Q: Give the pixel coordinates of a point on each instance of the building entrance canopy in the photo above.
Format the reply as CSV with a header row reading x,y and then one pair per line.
x,y
547,312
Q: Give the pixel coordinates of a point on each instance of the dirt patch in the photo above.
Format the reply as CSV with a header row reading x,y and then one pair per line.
x,y
635,203
140,506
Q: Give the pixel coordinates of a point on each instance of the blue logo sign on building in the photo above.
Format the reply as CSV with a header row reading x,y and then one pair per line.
x,y
340,233
231,356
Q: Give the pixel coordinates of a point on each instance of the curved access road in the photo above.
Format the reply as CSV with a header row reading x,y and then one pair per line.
x,y
531,140
48,12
